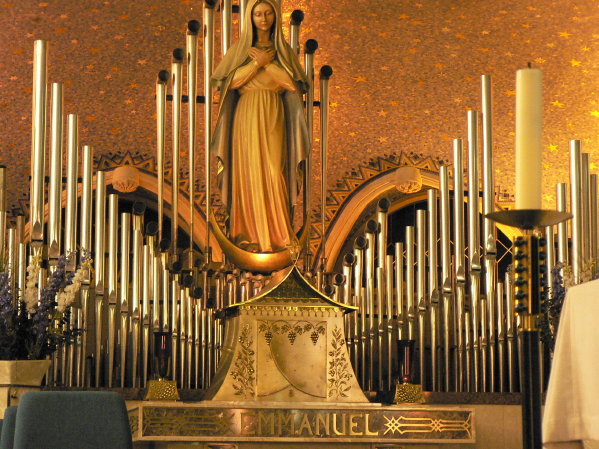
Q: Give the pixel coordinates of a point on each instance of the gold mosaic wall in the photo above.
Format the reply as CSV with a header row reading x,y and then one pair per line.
x,y
405,72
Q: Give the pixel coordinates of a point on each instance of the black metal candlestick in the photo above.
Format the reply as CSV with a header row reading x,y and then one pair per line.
x,y
530,279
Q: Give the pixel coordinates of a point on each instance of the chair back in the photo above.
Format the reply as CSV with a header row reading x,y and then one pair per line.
x,y
72,420
8,427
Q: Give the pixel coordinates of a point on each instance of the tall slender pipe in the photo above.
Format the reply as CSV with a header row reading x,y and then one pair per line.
x,y
370,298
85,242
242,8
360,245
489,232
177,89
433,286
309,48
55,186
208,61
70,222
161,84
399,299
112,290
297,16
593,197
136,290
410,291
585,246
575,205
474,250
99,261
510,333
193,26
422,303
460,256
226,11
3,211
124,297
446,280
325,73
38,144
562,228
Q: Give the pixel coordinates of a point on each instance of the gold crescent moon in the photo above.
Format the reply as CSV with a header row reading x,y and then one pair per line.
x,y
259,262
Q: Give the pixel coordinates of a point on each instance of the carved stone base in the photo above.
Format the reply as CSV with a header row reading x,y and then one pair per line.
x,y
286,344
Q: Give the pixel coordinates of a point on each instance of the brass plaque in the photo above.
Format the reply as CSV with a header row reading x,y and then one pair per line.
x,y
366,424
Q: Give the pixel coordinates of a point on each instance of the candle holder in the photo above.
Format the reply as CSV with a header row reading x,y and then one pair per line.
x,y
530,272
405,390
161,388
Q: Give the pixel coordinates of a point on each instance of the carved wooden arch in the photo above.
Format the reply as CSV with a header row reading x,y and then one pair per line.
x,y
367,195
149,182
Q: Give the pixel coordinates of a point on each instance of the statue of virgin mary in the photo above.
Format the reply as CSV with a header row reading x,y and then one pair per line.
x,y
260,140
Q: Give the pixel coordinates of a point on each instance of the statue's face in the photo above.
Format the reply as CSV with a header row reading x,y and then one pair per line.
x,y
263,16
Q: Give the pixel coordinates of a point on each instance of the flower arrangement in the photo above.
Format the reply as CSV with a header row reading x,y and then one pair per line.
x,y
34,326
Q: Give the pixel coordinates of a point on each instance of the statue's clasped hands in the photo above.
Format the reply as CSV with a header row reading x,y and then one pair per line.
x,y
262,57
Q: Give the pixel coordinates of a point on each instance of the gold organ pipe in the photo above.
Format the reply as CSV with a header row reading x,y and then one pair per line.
x,y
242,8
389,273
510,332
3,212
136,291
360,245
501,335
371,230
38,141
55,186
11,258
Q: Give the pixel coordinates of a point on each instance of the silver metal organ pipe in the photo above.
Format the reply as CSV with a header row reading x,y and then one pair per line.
x,y
146,318
501,335
226,11
55,186
399,299
489,233
124,298
99,261
3,212
297,16
433,285
446,281
112,281
242,8
161,84
593,198
562,228
85,219
70,236
36,214
510,332
575,205
410,300
192,92
208,61
370,297
422,304
550,249
584,208
325,74
460,259
12,257
177,89
136,294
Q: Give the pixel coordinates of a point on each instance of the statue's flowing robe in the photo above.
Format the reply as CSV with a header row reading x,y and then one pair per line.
x,y
260,142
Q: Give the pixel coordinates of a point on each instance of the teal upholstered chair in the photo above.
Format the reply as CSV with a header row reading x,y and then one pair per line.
x,y
72,420
8,427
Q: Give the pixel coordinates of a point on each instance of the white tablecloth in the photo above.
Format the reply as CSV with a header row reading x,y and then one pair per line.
x,y
571,415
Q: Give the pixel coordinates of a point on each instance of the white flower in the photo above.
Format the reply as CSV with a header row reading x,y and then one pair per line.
x,y
31,289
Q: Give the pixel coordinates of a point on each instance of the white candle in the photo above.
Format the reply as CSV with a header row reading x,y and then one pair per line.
x,y
529,120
